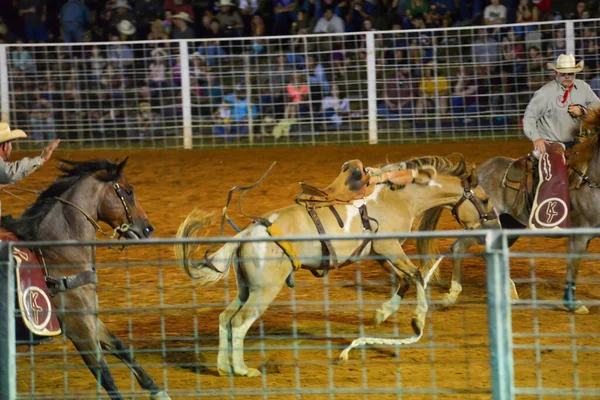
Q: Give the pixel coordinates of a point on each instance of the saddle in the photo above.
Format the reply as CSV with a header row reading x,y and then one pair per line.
x,y
38,321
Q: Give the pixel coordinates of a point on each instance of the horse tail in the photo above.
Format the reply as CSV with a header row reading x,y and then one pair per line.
x,y
426,246
206,271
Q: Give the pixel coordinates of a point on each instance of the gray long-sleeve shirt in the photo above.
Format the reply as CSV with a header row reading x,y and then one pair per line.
x,y
13,172
546,116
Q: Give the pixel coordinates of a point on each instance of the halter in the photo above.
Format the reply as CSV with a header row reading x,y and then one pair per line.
x,y
119,231
468,195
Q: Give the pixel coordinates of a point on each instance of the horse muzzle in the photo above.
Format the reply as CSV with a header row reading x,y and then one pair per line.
x,y
136,233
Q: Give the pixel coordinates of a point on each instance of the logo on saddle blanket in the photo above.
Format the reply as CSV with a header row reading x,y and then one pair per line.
x,y
32,293
551,204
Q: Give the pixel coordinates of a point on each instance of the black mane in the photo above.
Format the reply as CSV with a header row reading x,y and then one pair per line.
x,y
26,227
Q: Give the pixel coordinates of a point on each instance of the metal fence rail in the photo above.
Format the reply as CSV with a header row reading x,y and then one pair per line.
x,y
171,324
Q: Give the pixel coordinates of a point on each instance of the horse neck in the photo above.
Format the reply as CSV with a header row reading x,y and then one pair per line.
x,y
593,171
65,222
449,191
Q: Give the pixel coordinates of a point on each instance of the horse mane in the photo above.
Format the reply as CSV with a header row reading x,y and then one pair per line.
x,y
443,165
26,226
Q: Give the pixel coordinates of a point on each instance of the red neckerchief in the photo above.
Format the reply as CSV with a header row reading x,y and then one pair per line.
x,y
567,91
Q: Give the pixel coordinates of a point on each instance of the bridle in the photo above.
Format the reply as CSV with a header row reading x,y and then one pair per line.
x,y
120,230
469,195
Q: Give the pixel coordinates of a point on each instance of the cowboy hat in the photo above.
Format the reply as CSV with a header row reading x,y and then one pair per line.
x,y
565,63
7,135
182,15
158,52
121,4
126,27
225,3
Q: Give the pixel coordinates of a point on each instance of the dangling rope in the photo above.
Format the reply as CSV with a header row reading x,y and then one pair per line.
x,y
395,342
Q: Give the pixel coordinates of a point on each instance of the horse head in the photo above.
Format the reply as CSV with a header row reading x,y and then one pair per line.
x,y
119,207
474,208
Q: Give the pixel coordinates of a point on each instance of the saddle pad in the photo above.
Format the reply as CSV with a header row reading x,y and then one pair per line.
x,y
32,293
515,173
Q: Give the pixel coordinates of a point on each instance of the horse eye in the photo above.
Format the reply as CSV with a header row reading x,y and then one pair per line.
x,y
129,192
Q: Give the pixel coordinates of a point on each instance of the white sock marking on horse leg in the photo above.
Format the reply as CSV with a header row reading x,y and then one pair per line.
x,y
388,308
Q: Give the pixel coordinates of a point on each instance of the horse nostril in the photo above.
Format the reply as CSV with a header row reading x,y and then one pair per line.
x,y
148,230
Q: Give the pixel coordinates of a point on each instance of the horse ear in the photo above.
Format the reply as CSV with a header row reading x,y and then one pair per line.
x,y
473,177
120,167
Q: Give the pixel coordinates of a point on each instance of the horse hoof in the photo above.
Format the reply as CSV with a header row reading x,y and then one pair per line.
x,y
224,371
251,373
162,395
581,310
379,317
448,301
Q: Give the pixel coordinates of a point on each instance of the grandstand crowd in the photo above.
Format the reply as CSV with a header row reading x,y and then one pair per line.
x,y
99,89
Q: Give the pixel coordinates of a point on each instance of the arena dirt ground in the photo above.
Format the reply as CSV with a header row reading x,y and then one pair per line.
x,y
452,358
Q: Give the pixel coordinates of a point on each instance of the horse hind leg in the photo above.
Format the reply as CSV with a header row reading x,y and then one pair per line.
x,y
257,303
116,347
391,306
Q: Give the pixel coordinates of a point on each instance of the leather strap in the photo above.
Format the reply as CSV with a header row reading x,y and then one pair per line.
x,y
56,286
328,252
337,216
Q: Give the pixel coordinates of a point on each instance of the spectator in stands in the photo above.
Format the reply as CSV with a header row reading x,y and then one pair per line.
x,y
249,9
557,45
126,30
120,11
120,54
513,54
527,12
335,107
433,87
588,46
357,14
273,87
33,13
258,30
41,119
536,70
72,107
158,69
317,79
229,19
212,50
397,95
171,7
222,119
22,60
486,49
97,63
158,31
580,9
464,92
74,18
239,110
495,13
211,94
297,91
329,23
147,120
146,11
285,15
181,26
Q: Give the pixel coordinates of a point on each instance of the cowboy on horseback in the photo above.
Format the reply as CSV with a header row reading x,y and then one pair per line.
x,y
552,120
13,172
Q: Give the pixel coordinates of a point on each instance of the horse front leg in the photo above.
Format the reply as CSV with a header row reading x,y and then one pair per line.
x,y
577,246
391,306
459,249
116,347
81,330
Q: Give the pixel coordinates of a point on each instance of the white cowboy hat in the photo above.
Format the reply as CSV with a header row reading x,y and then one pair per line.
x,y
121,4
7,135
184,16
225,3
158,52
126,27
566,63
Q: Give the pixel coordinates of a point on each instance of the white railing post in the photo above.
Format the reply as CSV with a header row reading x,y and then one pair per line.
x,y
372,86
247,79
4,95
570,36
186,101
8,368
499,316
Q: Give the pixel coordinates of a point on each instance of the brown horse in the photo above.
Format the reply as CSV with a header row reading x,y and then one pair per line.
x,y
262,267
70,209
585,212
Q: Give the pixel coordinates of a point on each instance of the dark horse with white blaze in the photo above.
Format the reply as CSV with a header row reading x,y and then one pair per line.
x,y
68,210
585,210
